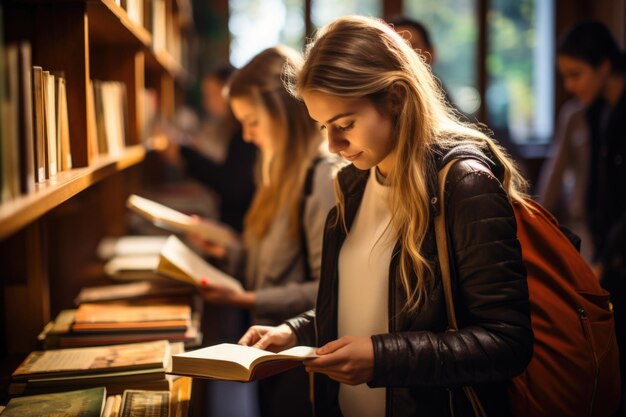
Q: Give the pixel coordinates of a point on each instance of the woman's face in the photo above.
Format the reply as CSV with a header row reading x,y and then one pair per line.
x,y
582,79
355,129
255,121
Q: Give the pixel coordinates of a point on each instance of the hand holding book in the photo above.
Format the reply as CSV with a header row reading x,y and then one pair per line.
x,y
272,338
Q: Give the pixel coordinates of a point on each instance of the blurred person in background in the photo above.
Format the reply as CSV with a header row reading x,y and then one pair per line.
x,y
593,68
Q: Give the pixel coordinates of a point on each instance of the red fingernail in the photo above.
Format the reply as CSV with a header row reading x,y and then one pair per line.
x,y
204,281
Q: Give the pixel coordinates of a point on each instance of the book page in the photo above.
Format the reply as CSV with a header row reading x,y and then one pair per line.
x,y
243,355
193,266
247,355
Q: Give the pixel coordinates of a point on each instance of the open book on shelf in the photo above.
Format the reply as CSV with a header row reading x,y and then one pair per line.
x,y
178,261
233,362
171,219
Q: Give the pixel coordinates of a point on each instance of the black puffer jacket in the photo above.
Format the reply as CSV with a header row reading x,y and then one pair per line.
x,y
421,365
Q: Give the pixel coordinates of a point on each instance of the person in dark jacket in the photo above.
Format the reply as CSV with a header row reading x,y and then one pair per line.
x,y
593,68
380,318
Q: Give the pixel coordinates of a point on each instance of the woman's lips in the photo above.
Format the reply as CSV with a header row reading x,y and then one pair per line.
x,y
352,157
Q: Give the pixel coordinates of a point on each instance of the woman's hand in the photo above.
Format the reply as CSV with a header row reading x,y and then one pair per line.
x,y
218,294
208,248
349,360
270,338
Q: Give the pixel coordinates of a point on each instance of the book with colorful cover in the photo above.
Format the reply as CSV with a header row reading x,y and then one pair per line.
x,y
81,403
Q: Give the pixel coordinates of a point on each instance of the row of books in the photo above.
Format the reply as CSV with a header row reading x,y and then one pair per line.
x,y
35,134
35,141
152,15
90,402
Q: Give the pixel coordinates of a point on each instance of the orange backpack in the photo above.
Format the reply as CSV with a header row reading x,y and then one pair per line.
x,y
574,370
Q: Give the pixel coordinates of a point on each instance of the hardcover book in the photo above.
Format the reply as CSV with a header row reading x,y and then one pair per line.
x,y
145,403
80,403
93,360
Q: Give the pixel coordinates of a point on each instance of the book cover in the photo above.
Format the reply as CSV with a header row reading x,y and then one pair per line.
x,y
174,220
50,123
27,141
39,124
93,360
64,152
179,262
234,362
145,403
10,163
80,403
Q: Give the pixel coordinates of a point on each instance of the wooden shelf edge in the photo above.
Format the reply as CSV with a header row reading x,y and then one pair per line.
x,y
103,11
163,61
16,214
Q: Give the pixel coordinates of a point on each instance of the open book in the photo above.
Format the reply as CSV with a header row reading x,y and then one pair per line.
x,y
233,362
171,219
178,261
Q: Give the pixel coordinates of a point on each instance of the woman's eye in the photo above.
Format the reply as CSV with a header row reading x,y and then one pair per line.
x,y
322,128
346,127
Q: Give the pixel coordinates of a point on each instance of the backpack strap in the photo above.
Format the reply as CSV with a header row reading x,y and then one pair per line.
x,y
443,254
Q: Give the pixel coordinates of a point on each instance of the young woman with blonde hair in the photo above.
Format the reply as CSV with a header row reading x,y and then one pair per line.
x,y
282,239
380,318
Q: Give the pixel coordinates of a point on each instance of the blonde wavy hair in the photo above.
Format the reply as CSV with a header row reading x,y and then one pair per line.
x,y
358,57
295,141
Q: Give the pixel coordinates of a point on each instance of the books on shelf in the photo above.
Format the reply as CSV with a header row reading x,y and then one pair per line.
x,y
133,267
60,333
39,124
9,143
179,262
174,220
109,247
145,403
26,132
107,117
233,362
64,152
50,118
93,360
112,406
116,367
112,317
80,403
131,291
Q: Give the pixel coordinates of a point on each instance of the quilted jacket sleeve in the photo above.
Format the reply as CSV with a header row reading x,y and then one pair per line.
x,y
494,342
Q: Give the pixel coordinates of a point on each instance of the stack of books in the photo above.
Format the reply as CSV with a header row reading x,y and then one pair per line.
x,y
115,367
114,323
94,402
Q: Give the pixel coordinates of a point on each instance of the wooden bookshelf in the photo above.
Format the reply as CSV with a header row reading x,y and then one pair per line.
x,y
48,236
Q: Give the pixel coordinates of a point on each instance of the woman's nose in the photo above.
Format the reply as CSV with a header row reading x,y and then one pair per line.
x,y
336,142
